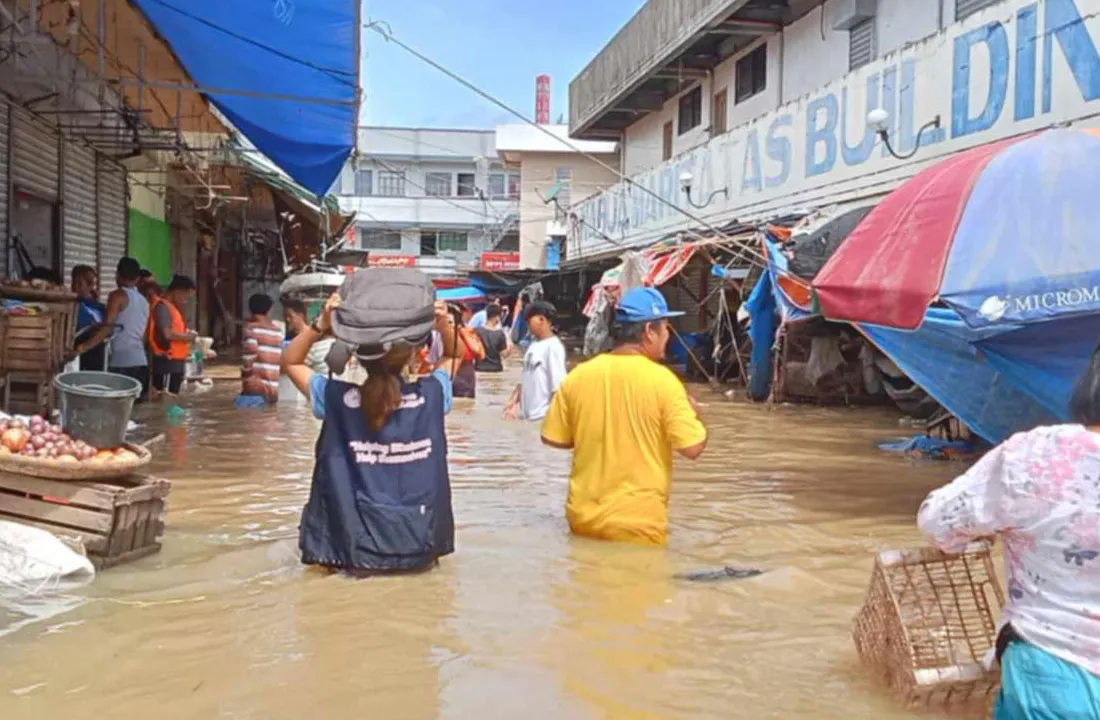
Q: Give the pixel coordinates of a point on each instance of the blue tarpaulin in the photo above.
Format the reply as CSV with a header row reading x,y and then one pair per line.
x,y
284,72
460,294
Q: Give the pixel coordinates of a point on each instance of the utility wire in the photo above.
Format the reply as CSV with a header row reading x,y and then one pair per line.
x,y
384,30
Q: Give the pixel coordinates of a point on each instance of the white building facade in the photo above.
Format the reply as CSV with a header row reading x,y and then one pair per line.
x,y
764,106
437,200
555,174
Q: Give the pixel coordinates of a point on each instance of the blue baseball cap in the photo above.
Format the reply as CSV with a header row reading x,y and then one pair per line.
x,y
643,305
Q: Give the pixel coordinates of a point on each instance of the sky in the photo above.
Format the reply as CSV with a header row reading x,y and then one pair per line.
x,y
499,45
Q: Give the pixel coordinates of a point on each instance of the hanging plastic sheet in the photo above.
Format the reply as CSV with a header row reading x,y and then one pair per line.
x,y
943,357
763,322
285,73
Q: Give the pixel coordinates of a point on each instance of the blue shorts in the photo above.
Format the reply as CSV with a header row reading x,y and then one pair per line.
x,y
247,402
1036,685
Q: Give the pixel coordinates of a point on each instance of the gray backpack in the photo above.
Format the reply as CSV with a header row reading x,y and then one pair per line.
x,y
380,308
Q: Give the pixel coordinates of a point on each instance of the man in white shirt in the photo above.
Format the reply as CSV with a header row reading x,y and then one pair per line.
x,y
543,367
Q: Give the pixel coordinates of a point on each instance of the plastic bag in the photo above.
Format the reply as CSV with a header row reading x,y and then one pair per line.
x,y
33,560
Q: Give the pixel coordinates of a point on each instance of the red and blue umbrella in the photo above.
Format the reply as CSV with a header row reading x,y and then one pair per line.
x,y
980,278
1006,234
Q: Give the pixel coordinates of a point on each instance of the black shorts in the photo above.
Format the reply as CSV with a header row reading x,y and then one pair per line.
x,y
168,375
139,373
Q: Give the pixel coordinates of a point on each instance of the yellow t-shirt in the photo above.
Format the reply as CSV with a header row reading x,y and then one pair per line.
x,y
623,415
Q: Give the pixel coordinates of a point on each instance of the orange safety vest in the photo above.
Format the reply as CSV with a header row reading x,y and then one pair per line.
x,y
177,349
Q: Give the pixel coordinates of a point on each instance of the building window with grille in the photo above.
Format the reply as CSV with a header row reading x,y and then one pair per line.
x,y
513,186
379,240
437,184
966,8
391,184
861,44
467,185
691,110
751,74
363,185
498,186
453,242
432,243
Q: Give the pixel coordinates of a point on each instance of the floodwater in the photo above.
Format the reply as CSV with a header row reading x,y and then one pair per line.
x,y
524,621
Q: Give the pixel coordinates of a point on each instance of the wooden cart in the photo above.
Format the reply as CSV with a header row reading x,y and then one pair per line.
x,y
116,521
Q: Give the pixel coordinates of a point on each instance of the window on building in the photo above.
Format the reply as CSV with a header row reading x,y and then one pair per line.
x,y
357,183
563,178
467,185
861,44
513,185
719,112
437,184
379,240
966,8
453,242
666,142
508,243
432,243
751,74
428,247
691,110
391,184
498,186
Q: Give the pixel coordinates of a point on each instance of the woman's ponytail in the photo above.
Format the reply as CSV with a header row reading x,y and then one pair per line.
x,y
381,392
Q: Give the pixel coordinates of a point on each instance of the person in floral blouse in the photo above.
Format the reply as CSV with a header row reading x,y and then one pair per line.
x,y
1039,492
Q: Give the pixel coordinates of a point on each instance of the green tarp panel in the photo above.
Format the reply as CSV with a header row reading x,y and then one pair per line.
x,y
151,245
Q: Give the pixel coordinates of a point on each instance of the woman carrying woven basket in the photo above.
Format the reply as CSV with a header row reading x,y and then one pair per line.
x,y
380,500
1040,493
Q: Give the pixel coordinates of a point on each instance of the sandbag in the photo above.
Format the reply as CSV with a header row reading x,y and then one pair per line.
x,y
32,560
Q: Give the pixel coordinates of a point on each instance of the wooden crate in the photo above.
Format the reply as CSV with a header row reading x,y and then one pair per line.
x,y
62,309
26,343
117,521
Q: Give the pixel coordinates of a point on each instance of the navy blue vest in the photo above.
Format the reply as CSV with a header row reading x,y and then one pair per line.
x,y
380,500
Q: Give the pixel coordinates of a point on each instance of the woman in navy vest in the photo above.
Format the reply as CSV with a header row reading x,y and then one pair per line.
x,y
381,494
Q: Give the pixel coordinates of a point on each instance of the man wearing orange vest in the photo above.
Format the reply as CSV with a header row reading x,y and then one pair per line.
x,y
169,338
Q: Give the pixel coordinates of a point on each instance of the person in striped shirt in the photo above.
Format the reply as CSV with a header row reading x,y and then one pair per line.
x,y
263,349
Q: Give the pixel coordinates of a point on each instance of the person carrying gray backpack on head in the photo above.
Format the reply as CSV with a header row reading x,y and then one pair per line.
x,y
380,499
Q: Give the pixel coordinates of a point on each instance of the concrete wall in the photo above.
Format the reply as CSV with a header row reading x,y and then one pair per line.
x,y
984,78
538,175
804,57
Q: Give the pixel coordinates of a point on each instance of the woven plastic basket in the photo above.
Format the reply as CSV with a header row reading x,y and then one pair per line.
x,y
929,622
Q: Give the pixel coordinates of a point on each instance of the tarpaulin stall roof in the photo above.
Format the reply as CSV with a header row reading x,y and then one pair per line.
x,y
286,74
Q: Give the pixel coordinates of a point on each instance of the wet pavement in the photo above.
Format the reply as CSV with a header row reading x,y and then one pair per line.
x,y
524,620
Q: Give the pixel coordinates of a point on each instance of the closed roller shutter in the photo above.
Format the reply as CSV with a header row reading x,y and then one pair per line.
x,y
966,8
34,161
5,225
112,216
78,208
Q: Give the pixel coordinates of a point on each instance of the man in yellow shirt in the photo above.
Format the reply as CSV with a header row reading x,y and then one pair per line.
x,y
622,414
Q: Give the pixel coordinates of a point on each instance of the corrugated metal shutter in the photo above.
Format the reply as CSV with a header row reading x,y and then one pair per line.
x,y
5,225
113,216
34,161
861,43
966,8
78,208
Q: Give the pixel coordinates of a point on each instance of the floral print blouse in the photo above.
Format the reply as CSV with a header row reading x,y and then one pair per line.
x,y
1040,493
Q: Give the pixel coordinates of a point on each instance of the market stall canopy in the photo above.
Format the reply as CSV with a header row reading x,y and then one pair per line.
x,y
1002,233
285,74
460,294
1004,238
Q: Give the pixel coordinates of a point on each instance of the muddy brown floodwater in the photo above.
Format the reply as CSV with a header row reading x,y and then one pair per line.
x,y
524,621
